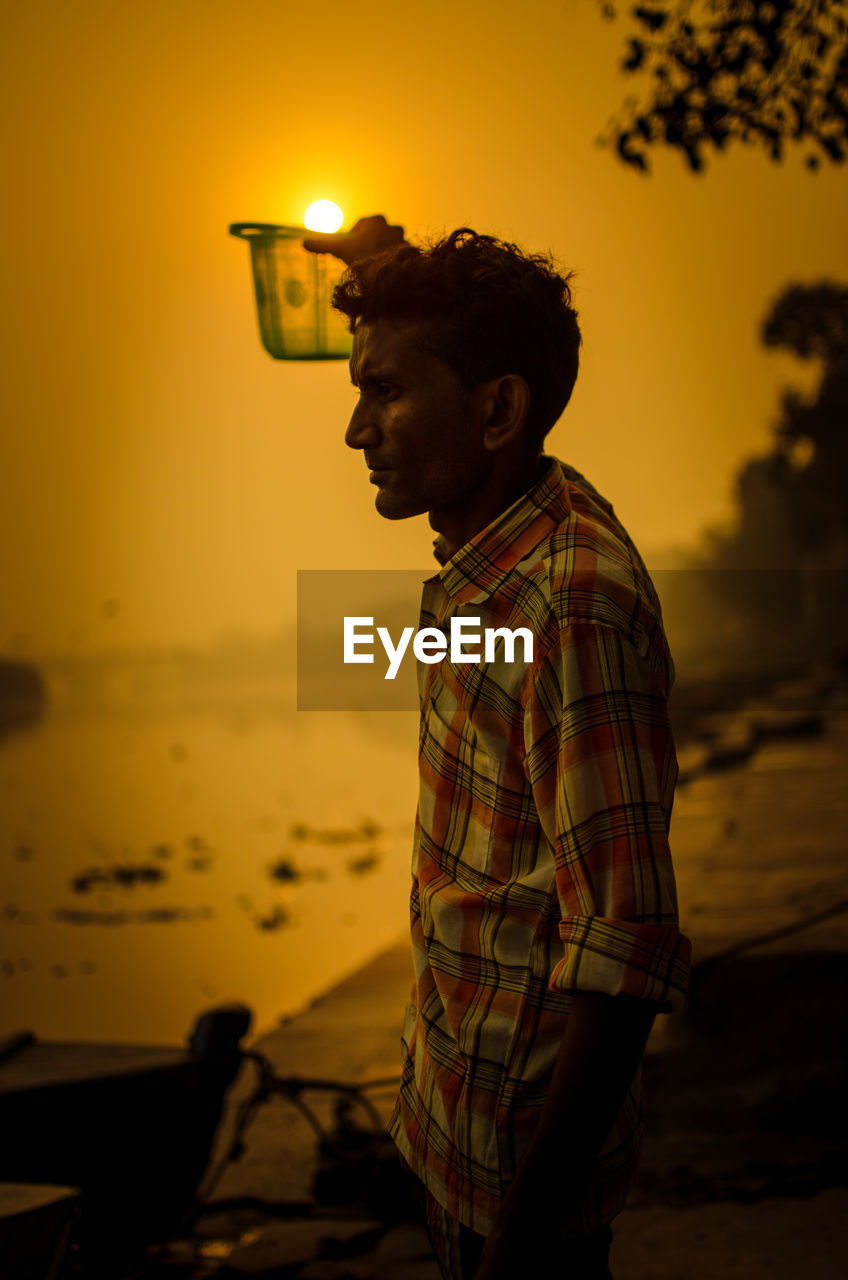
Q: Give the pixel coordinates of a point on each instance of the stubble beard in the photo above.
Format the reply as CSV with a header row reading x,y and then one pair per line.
x,y
396,508
440,487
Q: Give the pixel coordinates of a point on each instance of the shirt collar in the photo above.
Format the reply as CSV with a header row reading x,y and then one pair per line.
x,y
480,566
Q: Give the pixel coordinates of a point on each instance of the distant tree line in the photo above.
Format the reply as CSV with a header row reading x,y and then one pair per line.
x,y
793,501
779,576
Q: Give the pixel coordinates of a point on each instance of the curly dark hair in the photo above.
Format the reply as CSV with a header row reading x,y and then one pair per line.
x,y
487,309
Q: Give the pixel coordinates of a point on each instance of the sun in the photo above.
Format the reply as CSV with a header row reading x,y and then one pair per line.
x,y
323,215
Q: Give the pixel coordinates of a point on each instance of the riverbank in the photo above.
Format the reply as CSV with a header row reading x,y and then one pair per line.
x,y
744,1167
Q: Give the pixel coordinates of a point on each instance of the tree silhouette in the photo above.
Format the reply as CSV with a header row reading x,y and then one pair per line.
x,y
793,502
789,604
764,72
812,322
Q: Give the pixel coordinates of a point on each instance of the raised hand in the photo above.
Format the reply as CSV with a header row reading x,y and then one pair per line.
x,y
368,236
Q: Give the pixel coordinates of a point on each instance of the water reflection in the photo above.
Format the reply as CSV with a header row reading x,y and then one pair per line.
x,y
137,882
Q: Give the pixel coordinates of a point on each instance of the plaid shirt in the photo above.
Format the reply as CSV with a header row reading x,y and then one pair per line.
x,y
541,863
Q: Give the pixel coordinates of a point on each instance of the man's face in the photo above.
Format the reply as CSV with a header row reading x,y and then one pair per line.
x,y
421,440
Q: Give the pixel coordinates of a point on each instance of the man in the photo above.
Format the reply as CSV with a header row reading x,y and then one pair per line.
x,y
544,917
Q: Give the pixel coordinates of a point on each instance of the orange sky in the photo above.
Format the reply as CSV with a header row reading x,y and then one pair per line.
x,y
156,456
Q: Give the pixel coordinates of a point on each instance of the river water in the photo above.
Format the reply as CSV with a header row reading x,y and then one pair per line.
x,y
174,835
158,862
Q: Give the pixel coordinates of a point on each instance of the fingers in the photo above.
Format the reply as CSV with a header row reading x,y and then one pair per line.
x,y
327,242
367,236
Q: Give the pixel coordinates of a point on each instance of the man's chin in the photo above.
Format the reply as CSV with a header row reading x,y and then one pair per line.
x,y
397,506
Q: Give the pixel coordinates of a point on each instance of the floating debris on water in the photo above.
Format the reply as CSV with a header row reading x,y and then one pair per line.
x,y
122,875
198,864
87,880
127,876
274,920
366,830
362,865
202,853
12,911
284,871
111,919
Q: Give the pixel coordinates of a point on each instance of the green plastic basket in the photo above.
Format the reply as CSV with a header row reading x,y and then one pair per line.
x,y
293,289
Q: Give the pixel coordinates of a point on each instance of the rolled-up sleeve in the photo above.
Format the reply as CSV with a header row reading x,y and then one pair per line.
x,y
601,763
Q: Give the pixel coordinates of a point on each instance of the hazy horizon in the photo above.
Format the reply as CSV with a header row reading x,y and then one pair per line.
x,y
164,478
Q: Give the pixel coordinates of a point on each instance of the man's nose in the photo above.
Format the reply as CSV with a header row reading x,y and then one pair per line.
x,y
361,431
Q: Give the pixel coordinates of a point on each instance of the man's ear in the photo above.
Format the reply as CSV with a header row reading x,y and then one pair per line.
x,y
502,404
